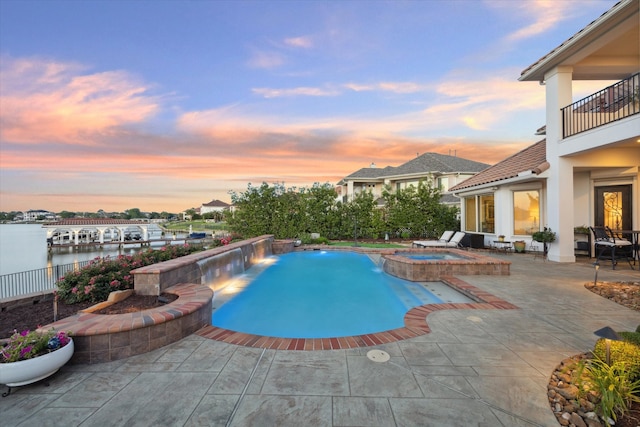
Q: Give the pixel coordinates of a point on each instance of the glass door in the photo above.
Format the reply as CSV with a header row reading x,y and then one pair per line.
x,y
613,207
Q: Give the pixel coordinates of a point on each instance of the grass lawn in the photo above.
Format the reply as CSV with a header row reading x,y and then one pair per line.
x,y
197,225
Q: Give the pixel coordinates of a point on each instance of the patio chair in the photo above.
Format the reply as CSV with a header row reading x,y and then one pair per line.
x,y
446,236
605,240
456,240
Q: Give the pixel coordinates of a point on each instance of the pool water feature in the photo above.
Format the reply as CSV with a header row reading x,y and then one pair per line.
x,y
321,294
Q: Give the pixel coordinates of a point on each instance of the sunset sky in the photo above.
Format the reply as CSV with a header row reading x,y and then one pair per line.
x,y
165,105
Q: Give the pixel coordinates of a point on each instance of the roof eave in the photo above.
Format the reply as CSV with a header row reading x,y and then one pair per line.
x,y
520,178
536,71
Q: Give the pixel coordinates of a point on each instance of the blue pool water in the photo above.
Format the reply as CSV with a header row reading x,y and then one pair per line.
x,y
321,294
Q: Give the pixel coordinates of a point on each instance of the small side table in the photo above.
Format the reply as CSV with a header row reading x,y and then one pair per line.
x,y
502,246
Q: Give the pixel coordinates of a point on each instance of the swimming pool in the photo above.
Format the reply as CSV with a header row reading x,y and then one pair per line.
x,y
321,294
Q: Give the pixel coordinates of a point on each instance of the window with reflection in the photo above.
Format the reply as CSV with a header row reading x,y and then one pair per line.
x,y
526,212
470,214
487,221
479,213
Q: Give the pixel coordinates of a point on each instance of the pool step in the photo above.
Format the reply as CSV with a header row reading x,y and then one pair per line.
x,y
412,294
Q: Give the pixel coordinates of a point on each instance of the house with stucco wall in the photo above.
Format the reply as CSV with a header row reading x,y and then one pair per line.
x,y
586,171
214,206
441,170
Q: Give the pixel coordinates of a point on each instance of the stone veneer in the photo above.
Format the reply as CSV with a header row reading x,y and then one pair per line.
x,y
417,270
154,279
102,338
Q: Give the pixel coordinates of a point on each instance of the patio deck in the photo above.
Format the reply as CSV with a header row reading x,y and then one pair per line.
x,y
476,367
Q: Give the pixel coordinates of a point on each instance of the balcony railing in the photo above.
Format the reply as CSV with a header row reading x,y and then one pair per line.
x,y
611,104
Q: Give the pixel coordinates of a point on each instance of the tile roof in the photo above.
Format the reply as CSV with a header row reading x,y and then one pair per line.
x,y
216,203
428,162
95,221
532,158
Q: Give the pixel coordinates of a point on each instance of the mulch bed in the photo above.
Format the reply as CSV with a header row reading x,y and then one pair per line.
x,y
33,316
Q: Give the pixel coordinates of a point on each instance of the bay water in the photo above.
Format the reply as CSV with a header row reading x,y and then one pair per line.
x,y
23,247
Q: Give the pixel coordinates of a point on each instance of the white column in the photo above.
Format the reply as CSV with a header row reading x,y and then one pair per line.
x,y
76,234
101,234
350,191
559,191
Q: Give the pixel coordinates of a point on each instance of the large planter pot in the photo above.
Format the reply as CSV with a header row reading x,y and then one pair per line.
x,y
29,371
519,246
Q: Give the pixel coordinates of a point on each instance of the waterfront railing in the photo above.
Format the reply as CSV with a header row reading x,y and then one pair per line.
x,y
40,281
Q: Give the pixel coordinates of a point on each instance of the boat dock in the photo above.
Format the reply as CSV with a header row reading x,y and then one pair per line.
x,y
90,232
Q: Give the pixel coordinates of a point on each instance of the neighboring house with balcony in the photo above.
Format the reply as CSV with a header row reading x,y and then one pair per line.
x,y
38,214
442,171
587,170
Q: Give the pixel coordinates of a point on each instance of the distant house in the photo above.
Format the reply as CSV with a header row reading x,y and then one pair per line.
x,y
214,206
38,214
442,171
587,170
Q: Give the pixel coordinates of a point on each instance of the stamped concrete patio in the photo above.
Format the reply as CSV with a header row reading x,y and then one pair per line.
x,y
476,368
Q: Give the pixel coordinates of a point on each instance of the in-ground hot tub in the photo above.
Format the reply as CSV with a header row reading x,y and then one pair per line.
x,y
426,265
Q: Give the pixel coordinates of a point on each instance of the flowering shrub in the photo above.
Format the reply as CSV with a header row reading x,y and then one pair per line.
x,y
223,241
29,344
102,276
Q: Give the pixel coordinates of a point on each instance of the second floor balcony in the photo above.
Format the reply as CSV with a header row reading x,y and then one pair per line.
x,y
613,103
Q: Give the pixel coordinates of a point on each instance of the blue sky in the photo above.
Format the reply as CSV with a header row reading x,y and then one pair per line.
x,y
164,105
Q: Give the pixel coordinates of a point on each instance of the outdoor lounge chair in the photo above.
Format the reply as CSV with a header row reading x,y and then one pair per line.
x,y
446,236
605,241
456,240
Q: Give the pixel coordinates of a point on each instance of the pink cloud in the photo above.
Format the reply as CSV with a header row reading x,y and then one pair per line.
x,y
49,101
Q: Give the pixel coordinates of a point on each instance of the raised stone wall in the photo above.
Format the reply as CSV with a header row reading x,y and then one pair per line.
x,y
154,279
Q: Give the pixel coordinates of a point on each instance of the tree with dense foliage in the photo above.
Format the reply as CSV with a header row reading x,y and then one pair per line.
x,y
133,213
265,210
291,213
417,212
67,214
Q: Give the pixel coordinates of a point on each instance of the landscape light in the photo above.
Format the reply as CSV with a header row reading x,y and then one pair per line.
x,y
608,334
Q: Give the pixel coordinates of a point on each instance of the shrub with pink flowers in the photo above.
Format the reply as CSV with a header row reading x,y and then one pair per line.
x,y
102,276
225,240
29,344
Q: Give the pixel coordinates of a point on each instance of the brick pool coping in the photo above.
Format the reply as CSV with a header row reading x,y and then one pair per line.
x,y
415,321
102,338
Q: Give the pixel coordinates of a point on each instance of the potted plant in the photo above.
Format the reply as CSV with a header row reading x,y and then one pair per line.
x,y
29,356
582,238
545,237
519,246
501,238
582,229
